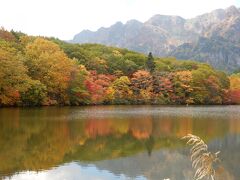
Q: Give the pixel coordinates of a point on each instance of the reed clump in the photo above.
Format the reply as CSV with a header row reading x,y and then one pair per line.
x,y
202,159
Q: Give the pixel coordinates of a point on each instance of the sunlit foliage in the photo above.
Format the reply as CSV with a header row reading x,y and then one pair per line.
x,y
47,71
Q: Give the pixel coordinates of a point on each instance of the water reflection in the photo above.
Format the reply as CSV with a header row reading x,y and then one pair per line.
x,y
72,171
119,142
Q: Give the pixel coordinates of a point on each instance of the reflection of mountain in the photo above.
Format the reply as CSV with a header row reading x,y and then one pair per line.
x,y
162,164
230,147
175,164
165,163
35,139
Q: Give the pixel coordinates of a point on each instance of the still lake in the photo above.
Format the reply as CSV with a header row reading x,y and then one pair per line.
x,y
115,142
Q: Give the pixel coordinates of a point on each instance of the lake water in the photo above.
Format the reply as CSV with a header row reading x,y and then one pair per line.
x,y
115,142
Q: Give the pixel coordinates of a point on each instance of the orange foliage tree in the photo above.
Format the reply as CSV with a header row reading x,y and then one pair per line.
x,y
142,86
182,87
5,35
233,95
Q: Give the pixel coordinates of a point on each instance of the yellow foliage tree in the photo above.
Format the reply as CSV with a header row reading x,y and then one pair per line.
x,y
13,75
50,65
235,81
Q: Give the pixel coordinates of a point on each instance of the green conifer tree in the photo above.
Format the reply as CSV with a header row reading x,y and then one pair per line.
x,y
150,64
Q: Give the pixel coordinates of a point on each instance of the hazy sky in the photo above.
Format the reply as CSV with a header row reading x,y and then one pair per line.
x,y
65,18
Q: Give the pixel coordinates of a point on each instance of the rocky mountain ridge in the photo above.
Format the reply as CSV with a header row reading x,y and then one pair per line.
x,y
175,36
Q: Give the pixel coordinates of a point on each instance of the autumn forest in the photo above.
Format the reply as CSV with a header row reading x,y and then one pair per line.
x,y
39,71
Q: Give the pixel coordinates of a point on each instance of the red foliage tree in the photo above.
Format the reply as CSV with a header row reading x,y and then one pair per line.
x,y
97,85
233,96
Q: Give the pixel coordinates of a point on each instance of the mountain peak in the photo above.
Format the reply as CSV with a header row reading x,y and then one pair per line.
x,y
133,21
215,36
232,10
159,20
86,31
118,23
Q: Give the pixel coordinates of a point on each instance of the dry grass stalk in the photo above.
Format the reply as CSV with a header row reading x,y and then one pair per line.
x,y
202,159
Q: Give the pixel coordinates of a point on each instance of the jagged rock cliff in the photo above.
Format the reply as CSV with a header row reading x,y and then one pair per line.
x,y
212,37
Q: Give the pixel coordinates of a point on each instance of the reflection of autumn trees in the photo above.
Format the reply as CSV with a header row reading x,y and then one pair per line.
x,y
32,145
40,143
7,121
185,127
234,125
95,128
141,128
45,149
138,128
165,127
105,127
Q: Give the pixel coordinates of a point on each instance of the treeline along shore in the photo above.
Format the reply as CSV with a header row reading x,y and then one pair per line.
x,y
40,71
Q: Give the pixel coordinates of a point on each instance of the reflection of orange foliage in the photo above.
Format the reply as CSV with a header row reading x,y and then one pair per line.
x,y
141,129
97,127
185,127
212,128
82,140
166,126
234,126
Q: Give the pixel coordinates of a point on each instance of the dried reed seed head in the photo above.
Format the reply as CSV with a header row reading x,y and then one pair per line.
x,y
202,159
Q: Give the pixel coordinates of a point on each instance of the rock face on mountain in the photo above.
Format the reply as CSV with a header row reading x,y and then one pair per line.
x,y
213,37
218,52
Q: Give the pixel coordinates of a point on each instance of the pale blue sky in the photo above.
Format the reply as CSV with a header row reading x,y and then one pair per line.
x,y
238,3
65,18
71,171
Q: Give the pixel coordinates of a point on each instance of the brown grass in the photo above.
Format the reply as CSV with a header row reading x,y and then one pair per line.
x,y
202,159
